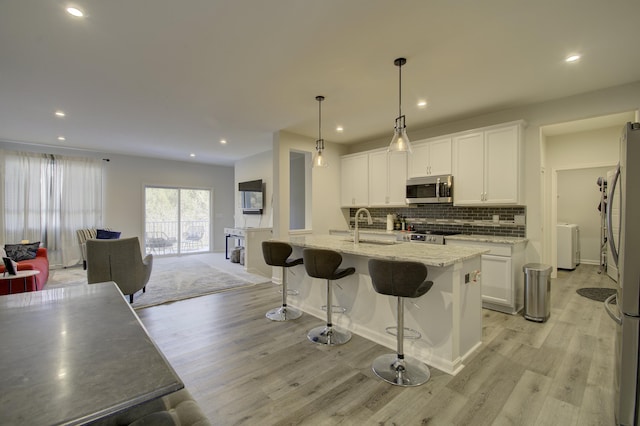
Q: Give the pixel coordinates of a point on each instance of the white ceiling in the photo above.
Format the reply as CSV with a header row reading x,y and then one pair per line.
x,y
165,78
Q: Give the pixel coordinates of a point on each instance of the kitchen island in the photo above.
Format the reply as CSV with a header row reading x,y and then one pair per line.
x,y
448,317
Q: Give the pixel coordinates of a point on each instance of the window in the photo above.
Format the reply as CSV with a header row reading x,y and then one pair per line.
x,y
47,198
177,220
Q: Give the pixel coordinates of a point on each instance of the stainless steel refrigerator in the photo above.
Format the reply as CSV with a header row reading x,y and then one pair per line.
x,y
624,305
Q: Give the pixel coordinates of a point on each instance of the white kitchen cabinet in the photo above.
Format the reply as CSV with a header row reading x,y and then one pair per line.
x,y
354,180
502,279
496,281
468,168
431,157
388,178
487,166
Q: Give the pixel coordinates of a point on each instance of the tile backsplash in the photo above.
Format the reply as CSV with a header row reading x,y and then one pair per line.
x,y
446,217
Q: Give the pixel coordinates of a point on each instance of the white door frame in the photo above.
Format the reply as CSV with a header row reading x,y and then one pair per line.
x,y
553,249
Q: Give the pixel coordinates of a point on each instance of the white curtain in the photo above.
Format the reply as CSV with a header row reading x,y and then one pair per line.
x,y
47,198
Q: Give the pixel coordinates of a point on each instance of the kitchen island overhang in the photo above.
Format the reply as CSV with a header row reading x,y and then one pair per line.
x,y
448,317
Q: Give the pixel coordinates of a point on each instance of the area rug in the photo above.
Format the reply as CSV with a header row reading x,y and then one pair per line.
x,y
596,293
171,280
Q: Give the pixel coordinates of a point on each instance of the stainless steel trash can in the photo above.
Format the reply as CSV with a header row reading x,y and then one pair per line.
x,y
537,291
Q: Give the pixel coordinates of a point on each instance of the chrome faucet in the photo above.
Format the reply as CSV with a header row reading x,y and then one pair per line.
x,y
356,232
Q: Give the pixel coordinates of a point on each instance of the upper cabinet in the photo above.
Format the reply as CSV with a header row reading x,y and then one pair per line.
x,y
354,180
388,178
431,157
487,166
373,179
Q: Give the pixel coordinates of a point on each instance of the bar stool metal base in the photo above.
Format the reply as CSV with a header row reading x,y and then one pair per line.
x,y
283,313
329,336
407,372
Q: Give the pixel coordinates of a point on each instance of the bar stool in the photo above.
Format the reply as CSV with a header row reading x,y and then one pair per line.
x,y
277,253
321,263
400,279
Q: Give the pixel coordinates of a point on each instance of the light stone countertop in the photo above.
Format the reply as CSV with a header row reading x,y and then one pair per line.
x,y
429,254
497,239
369,231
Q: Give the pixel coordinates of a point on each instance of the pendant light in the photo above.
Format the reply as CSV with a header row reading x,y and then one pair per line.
x,y
400,141
318,159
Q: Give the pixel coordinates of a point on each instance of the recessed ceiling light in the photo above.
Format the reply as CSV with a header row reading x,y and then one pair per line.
x,y
74,11
62,138
572,58
60,113
339,129
223,141
422,104
192,155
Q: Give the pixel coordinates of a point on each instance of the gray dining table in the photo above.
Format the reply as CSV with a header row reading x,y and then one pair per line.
x,y
74,355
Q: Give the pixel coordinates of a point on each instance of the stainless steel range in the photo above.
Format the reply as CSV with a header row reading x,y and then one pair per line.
x,y
430,237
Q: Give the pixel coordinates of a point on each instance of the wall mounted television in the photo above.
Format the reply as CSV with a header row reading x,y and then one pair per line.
x,y
252,196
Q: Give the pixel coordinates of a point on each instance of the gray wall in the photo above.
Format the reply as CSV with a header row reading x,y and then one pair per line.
x,y
126,176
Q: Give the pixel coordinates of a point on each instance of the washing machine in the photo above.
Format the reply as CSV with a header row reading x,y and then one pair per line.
x,y
568,236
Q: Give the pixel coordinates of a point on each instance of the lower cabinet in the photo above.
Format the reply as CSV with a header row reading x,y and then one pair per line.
x,y
497,288
502,279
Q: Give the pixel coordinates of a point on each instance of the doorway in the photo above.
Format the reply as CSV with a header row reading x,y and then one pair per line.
x,y
299,190
570,149
578,201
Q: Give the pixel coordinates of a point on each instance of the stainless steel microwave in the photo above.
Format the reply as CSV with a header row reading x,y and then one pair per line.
x,y
430,189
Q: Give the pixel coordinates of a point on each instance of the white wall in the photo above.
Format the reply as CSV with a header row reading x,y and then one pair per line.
x,y
126,176
259,166
325,184
574,150
602,102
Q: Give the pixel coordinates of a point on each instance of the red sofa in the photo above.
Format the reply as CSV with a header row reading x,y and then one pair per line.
x,y
36,282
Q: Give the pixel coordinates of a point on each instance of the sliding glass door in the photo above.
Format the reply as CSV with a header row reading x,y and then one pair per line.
x,y
177,220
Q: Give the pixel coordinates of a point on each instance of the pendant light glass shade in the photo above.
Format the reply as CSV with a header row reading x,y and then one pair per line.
x,y
319,160
400,141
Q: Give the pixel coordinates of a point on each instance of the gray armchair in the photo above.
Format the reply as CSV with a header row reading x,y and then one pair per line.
x,y
119,261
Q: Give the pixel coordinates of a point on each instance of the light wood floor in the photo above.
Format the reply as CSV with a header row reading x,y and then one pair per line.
x,y
245,369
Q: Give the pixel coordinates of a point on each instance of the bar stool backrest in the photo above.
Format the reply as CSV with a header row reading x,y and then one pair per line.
x,y
321,263
399,278
276,253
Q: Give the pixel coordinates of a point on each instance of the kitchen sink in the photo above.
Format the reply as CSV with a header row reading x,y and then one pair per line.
x,y
376,242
